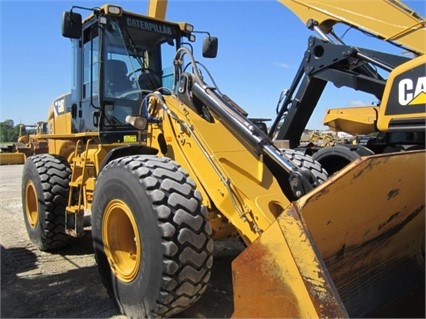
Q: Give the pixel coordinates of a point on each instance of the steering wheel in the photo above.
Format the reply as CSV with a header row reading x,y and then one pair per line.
x,y
134,72
148,79
137,94
142,70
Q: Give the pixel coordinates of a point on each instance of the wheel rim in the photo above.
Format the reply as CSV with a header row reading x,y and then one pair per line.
x,y
31,204
121,240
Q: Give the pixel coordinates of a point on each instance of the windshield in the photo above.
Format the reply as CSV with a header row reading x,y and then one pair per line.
x,y
138,59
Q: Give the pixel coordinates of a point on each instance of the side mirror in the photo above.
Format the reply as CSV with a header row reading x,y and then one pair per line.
x,y
71,25
210,45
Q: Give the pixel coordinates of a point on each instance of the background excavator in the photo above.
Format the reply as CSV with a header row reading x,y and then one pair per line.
x,y
164,163
397,82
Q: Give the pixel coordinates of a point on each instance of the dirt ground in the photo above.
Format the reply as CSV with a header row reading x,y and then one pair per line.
x,y
36,284
66,284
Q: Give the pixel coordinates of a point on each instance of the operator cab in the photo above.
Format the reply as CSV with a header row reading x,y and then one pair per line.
x,y
118,58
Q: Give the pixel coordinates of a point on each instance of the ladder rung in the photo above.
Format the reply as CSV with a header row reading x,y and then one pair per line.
x,y
74,209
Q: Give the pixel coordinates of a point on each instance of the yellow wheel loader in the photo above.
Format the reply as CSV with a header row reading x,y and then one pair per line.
x,y
25,146
164,163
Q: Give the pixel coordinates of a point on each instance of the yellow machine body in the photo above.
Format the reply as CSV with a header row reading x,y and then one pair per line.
x,y
352,120
404,101
404,96
247,191
349,247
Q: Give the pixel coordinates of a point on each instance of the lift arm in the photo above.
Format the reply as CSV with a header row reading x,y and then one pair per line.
x,y
404,28
157,8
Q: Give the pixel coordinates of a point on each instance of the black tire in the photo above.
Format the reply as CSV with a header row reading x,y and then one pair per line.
x,y
305,161
334,158
148,207
45,187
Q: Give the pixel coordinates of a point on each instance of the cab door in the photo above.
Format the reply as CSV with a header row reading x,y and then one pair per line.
x,y
85,82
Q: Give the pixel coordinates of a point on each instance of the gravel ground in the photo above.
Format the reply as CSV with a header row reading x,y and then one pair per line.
x,y
66,284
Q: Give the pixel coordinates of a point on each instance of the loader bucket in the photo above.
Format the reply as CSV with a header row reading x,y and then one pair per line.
x,y
12,158
353,247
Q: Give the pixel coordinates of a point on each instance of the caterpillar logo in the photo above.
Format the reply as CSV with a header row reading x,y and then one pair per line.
x,y
59,106
149,26
412,92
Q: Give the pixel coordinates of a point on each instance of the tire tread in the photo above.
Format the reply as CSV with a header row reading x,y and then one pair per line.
x,y
54,173
186,234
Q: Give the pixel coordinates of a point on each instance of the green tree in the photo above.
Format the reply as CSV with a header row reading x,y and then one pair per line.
x,y
8,131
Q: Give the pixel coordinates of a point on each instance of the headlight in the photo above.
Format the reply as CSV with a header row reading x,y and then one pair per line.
x,y
114,10
186,27
189,27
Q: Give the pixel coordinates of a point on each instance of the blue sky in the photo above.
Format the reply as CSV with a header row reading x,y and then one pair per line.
x,y
261,44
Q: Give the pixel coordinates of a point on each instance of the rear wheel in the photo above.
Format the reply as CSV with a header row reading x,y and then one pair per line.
x,y
151,236
45,187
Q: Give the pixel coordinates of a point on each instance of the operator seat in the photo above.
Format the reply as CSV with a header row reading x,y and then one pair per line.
x,y
149,81
117,79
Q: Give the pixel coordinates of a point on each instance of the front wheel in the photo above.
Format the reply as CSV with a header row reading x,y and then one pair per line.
x,y
151,236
